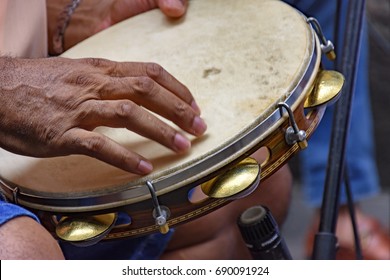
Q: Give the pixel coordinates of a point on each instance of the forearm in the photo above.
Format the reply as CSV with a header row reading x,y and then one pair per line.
x,y
81,19
92,16
71,21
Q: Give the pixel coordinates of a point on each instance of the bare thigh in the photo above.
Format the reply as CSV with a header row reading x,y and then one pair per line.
x,y
24,238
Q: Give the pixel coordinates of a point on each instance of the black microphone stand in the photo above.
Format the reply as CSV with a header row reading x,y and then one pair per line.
x,y
325,242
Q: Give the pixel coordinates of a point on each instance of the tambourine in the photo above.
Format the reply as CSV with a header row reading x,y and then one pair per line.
x,y
254,68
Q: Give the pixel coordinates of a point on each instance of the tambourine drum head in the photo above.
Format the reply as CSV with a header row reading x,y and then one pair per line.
x,y
238,58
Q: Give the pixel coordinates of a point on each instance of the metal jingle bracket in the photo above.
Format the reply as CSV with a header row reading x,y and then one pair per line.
x,y
327,46
15,193
6,189
293,133
160,213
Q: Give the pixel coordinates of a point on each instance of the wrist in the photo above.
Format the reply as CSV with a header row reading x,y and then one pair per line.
x,y
62,22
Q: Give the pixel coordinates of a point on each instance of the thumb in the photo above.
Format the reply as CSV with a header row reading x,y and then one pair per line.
x,y
173,8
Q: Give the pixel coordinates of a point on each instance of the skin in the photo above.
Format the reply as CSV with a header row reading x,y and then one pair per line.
x,y
72,97
23,238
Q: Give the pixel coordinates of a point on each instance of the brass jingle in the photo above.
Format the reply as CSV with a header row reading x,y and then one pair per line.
x,y
237,181
85,230
326,89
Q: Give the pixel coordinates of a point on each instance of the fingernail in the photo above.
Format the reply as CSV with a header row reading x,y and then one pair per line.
x,y
145,167
181,143
195,106
176,3
198,126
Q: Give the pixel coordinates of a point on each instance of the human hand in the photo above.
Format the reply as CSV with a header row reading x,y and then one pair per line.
x,y
93,16
49,107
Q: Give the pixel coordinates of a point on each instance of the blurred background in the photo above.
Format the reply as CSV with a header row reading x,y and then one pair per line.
x,y
298,221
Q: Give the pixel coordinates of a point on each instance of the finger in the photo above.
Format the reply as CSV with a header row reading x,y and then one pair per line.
x,y
124,113
173,8
138,69
144,91
159,75
166,80
103,148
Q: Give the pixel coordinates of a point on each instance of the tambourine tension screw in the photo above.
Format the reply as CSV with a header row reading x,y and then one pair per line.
x,y
327,46
293,133
15,193
160,213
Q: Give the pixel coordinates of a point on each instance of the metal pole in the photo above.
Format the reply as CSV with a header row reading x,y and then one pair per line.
x,y
325,241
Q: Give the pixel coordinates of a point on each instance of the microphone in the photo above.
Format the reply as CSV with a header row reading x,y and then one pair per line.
x,y
261,234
